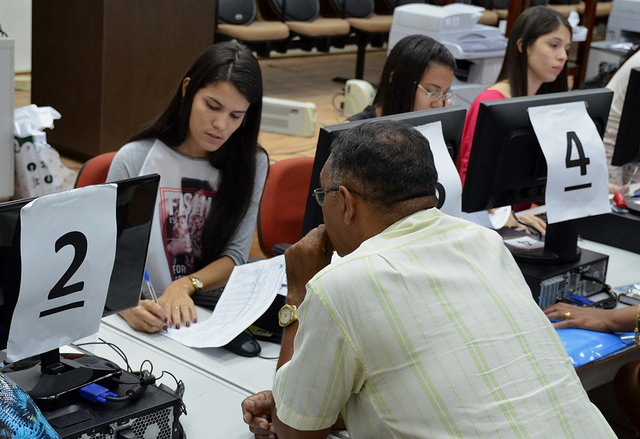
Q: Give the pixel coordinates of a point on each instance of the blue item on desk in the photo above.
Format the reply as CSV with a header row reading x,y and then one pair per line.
x,y
19,415
584,346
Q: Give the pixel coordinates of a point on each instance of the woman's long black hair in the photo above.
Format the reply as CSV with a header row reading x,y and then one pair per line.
x,y
232,62
403,70
528,27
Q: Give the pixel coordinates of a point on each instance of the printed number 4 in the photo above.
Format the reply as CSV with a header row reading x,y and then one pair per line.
x,y
581,161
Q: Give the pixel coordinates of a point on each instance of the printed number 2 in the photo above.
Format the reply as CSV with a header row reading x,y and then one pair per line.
x,y
79,243
582,161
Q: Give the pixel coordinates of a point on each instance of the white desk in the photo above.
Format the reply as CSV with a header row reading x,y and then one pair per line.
x,y
248,374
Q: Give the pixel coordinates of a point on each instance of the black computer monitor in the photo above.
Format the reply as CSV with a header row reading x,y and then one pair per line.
x,y
627,149
451,118
507,165
135,205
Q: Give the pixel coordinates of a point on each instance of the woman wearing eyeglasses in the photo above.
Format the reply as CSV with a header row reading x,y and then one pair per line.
x,y
417,75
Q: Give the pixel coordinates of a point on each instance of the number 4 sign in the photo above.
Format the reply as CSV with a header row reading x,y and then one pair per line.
x,y
67,251
577,178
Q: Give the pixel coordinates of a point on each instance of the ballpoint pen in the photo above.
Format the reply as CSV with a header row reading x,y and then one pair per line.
x,y
152,291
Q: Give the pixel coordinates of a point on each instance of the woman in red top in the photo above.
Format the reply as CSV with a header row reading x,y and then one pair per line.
x,y
535,62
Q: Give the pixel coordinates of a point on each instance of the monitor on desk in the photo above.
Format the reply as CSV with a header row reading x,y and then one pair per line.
x,y
627,148
135,204
451,118
507,165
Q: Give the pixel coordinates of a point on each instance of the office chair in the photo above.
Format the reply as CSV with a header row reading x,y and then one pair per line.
x,y
284,200
95,170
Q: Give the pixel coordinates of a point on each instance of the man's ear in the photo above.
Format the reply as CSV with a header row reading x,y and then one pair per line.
x,y
349,209
185,84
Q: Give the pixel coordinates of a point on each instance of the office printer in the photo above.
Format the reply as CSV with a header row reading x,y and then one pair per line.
x,y
478,49
623,23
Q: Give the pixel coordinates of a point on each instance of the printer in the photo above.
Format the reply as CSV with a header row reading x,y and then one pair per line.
x,y
478,49
623,23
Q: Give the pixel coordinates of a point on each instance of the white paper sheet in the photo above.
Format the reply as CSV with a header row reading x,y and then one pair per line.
x,y
249,293
67,250
577,178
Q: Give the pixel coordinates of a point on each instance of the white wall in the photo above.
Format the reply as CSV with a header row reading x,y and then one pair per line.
x,y
15,20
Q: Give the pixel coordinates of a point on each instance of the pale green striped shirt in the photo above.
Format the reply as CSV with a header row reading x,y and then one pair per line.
x,y
428,330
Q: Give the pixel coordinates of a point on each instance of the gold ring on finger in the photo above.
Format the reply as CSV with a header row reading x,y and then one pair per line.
x,y
567,315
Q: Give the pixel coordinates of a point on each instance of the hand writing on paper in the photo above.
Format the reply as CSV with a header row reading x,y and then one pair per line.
x,y
148,316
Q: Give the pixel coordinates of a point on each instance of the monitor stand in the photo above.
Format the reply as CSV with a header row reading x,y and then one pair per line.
x,y
51,379
560,246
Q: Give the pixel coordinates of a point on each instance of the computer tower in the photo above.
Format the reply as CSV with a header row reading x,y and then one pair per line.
x,y
584,277
154,415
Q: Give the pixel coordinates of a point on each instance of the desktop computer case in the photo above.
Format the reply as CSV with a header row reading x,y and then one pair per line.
x,y
154,415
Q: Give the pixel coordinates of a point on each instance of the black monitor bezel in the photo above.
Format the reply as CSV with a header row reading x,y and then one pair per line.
x,y
452,119
627,147
139,190
498,119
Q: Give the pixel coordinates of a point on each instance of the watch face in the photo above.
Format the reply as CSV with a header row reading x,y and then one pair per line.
x,y
286,315
198,282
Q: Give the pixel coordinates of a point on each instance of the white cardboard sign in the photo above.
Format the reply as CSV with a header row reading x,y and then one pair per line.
x,y
577,179
449,186
67,251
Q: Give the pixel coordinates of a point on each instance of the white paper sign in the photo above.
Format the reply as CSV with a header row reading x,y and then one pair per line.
x,y
449,185
67,250
577,178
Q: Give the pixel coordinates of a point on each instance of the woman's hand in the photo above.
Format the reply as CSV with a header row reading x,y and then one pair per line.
x,y
529,220
177,303
148,316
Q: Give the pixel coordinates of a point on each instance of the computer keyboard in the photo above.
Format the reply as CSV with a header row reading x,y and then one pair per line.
x,y
207,299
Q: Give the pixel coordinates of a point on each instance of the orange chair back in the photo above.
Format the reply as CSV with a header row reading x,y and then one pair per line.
x,y
95,170
284,200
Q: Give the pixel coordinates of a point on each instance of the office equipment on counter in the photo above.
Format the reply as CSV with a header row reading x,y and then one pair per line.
x,y
622,24
154,414
49,376
478,49
508,167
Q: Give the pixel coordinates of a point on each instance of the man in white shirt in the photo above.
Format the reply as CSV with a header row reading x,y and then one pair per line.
x,y
425,328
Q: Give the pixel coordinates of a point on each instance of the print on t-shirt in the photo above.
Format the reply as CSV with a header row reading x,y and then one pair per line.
x,y
182,214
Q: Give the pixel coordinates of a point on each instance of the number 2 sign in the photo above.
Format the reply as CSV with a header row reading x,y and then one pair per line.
x,y
577,178
67,251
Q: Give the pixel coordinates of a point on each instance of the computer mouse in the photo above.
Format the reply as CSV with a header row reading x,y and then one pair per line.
x,y
244,344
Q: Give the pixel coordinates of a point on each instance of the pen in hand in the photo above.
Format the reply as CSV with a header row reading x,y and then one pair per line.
x,y
152,291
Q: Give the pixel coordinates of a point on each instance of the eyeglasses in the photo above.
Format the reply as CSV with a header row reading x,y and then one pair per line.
x,y
319,194
436,95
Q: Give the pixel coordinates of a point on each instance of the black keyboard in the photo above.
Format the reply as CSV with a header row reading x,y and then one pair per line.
x,y
207,299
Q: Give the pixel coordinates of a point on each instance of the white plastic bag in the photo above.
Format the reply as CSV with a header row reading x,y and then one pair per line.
x,y
39,170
